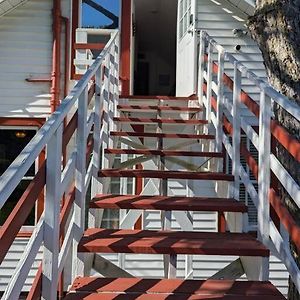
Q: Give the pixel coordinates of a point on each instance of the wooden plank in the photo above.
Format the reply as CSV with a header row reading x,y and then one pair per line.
x,y
165,174
170,242
92,46
167,203
232,271
163,152
163,135
160,121
158,98
130,296
146,108
171,286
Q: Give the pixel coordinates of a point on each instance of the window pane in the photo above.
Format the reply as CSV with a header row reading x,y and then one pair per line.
x,y
12,201
12,142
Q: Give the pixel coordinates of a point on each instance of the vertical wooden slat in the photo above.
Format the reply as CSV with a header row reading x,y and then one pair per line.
x,y
201,68
220,105
209,82
79,204
264,176
51,221
236,137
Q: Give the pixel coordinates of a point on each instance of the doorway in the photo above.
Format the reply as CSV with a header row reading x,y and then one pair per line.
x,y
155,32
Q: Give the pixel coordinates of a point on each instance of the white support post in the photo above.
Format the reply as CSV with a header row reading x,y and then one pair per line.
x,y
236,136
201,68
209,82
95,215
51,221
263,209
80,193
220,105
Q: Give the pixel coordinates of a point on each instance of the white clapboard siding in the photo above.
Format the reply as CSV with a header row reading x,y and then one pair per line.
x,y
26,52
7,6
11,260
219,19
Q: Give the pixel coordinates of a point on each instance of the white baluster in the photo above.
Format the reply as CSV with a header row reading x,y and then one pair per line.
x,y
220,105
51,221
263,218
236,138
80,194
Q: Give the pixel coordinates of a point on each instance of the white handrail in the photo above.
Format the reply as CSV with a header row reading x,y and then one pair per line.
x,y
267,160
58,179
16,171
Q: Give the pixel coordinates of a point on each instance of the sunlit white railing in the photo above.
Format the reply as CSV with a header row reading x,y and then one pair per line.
x,y
95,97
225,112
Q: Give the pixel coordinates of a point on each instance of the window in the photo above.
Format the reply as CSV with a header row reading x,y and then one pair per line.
x,y
12,142
185,16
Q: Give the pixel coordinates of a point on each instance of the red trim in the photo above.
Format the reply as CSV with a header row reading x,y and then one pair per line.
x,y
36,288
75,25
125,46
56,56
92,46
34,122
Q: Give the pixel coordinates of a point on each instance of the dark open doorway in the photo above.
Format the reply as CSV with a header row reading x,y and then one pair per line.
x,y
155,47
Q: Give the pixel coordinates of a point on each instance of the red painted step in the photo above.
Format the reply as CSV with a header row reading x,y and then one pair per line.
x,y
135,288
165,98
147,108
163,152
165,174
163,135
160,121
167,203
100,240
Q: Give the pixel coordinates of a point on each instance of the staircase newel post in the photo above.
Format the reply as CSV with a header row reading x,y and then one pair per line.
x,y
201,67
51,220
264,177
80,189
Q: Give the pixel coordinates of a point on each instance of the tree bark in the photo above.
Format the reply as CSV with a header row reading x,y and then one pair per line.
x,y
275,26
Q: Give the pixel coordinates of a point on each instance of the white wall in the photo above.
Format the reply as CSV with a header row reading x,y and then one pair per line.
x,y
186,62
26,51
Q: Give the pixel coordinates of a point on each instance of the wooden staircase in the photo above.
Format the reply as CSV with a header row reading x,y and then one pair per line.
x,y
162,113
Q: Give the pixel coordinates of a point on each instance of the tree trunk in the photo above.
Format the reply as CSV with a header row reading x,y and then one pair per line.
x,y
276,28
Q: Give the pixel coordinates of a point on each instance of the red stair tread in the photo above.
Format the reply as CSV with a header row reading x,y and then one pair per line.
x,y
116,296
164,152
163,135
157,108
165,174
162,121
168,203
170,242
165,98
174,286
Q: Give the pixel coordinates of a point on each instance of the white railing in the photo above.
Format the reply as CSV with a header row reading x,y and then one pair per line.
x,y
93,116
212,58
